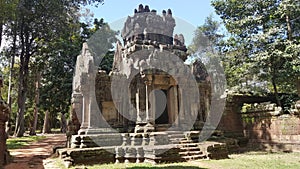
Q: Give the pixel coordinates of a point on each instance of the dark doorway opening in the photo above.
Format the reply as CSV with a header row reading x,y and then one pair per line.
x,y
161,107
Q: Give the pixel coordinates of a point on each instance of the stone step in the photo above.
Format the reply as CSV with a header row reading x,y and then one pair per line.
x,y
189,149
175,132
194,157
175,140
189,145
190,153
176,135
184,141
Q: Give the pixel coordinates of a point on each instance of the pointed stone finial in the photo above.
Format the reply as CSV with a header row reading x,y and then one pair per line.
x,y
147,9
169,12
164,13
153,11
141,8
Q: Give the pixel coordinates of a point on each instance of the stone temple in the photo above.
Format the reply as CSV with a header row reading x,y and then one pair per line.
x,y
150,108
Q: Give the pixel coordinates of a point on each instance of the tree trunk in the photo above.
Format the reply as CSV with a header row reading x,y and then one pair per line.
x,y
47,128
11,74
289,28
290,37
276,92
63,123
23,76
37,101
20,129
298,85
1,30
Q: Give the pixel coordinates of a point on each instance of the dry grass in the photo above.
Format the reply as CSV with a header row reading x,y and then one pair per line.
x,y
253,160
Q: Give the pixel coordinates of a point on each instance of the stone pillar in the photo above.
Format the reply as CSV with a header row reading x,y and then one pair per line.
x,y
4,114
147,103
173,106
149,109
176,113
77,105
181,106
153,106
137,99
85,111
149,115
93,109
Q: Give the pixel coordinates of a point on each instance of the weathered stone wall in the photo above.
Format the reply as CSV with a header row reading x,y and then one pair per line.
x,y
231,121
267,129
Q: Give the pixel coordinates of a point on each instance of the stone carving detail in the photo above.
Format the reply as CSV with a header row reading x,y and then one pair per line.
x,y
158,28
132,109
199,71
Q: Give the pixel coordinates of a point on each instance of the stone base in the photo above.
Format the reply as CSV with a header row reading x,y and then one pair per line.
x,y
153,147
273,146
144,128
162,154
96,140
96,155
159,138
89,131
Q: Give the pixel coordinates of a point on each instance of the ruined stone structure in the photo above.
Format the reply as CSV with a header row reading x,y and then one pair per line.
x,y
267,128
4,114
147,105
257,123
147,109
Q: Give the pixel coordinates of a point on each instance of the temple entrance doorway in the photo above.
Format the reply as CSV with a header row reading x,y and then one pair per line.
x,y
161,107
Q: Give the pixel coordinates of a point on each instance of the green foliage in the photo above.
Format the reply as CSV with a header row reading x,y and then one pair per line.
x,y
288,100
262,48
46,37
107,61
207,35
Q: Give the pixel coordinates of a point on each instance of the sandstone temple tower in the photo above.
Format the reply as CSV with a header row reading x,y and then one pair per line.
x,y
150,98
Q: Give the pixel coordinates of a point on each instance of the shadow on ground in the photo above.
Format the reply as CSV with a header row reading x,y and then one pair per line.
x,y
168,167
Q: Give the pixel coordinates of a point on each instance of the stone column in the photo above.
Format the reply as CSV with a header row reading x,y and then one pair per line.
x,y
137,99
77,105
173,106
181,105
93,109
150,111
147,103
85,111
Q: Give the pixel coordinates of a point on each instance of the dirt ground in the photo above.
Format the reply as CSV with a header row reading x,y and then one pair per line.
x,y
36,155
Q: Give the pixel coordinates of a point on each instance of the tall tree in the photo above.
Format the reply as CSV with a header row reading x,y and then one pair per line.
x,y
264,40
36,24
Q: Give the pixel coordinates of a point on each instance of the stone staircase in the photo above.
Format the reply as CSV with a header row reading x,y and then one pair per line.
x,y
192,149
175,137
189,149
